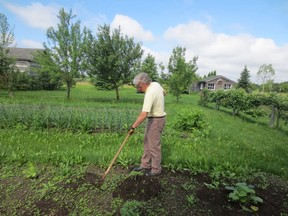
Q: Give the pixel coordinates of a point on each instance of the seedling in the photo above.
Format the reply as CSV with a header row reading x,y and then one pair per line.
x,y
30,171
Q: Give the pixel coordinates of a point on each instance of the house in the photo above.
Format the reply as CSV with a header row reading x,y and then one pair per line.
x,y
215,83
24,57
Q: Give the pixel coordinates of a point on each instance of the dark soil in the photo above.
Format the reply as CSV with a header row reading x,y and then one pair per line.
x,y
173,196
171,193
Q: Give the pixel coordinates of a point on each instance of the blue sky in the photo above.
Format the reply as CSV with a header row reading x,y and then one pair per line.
x,y
226,35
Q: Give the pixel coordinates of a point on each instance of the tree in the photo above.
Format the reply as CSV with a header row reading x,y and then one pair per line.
x,y
48,75
244,80
149,66
7,63
163,77
113,58
64,52
211,73
265,73
180,71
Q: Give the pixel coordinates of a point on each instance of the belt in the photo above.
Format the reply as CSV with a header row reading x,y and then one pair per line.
x,y
156,117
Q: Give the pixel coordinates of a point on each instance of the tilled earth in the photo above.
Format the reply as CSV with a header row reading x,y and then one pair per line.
x,y
171,193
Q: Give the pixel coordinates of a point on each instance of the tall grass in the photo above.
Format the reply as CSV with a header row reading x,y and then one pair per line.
x,y
234,144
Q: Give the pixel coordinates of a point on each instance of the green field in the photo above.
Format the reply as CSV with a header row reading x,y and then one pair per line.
x,y
49,145
45,127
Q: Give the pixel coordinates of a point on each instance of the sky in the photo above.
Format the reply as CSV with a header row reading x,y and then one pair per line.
x,y
226,35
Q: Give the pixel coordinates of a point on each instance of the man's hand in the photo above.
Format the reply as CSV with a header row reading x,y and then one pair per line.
x,y
131,130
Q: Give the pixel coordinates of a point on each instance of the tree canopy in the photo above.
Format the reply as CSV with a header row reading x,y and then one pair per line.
x,y
64,51
181,72
244,80
265,73
149,66
112,57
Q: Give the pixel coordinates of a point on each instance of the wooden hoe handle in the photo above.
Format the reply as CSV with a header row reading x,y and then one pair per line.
x,y
115,157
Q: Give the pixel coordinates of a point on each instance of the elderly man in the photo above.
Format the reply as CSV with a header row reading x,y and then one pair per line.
x,y
153,110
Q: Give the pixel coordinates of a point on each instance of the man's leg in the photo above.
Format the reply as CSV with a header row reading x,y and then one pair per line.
x,y
154,144
146,157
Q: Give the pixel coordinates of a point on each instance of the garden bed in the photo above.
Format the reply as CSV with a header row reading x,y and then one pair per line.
x,y
171,193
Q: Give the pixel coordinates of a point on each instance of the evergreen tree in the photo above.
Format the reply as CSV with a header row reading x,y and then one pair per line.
x,y
244,80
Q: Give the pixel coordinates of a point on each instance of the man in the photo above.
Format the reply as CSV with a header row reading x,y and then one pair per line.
x,y
153,110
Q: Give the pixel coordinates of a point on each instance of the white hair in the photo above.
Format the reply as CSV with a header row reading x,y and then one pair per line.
x,y
141,77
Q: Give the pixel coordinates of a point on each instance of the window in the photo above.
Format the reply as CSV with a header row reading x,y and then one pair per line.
x,y
211,86
22,65
227,86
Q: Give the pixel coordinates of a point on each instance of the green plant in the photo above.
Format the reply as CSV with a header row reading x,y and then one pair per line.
x,y
189,185
192,121
30,171
244,194
191,200
131,208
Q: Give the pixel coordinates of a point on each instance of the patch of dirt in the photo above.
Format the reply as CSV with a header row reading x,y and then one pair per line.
x,y
171,193
50,207
140,188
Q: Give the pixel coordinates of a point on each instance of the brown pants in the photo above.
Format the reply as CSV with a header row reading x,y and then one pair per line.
x,y
151,157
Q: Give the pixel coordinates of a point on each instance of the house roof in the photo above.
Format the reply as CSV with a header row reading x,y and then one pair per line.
x,y
22,53
210,78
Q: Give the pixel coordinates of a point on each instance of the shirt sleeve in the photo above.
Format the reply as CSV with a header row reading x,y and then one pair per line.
x,y
148,102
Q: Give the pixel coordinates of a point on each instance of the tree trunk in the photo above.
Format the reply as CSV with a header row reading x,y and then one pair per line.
x,y
117,94
68,91
10,93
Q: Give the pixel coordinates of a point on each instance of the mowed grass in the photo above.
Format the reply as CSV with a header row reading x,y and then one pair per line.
x,y
234,144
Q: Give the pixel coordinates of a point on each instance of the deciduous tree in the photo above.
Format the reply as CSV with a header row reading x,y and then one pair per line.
x,y
265,73
65,49
149,66
7,63
180,72
113,58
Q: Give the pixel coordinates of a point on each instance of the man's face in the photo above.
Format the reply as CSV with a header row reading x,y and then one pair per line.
x,y
140,87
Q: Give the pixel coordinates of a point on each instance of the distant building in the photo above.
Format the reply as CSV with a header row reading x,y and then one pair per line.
x,y
215,83
24,58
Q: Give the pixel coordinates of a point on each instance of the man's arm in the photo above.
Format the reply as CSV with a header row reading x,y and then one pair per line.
x,y
142,116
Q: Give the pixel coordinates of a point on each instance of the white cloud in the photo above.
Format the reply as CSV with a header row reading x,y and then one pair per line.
x,y
131,28
36,15
193,34
160,57
228,54
31,44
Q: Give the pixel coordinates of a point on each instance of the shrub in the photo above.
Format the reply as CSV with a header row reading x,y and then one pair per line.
x,y
192,121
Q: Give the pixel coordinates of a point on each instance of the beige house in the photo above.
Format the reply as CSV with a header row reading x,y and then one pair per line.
x,y
24,57
215,83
